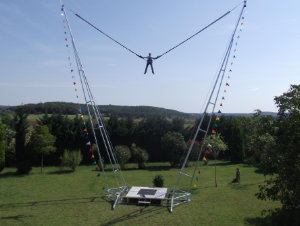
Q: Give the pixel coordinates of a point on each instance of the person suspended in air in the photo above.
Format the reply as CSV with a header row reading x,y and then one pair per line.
x,y
149,62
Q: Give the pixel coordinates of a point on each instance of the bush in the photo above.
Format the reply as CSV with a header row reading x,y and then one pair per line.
x,y
123,155
139,155
158,181
71,159
173,145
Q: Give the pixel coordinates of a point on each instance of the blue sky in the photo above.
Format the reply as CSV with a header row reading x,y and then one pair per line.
x,y
34,64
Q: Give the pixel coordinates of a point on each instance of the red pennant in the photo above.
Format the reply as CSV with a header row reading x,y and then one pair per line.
x,y
213,131
207,152
221,104
227,84
90,150
85,130
199,172
74,83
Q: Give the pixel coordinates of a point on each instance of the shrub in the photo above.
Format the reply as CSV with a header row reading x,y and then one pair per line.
x,y
139,155
158,181
123,155
71,159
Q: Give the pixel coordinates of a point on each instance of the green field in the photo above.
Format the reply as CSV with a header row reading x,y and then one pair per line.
x,y
65,198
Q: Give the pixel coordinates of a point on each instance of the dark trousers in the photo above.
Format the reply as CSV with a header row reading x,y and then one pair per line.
x,y
147,68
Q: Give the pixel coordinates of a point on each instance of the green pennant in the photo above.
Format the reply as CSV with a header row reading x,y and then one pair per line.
x,y
103,188
215,125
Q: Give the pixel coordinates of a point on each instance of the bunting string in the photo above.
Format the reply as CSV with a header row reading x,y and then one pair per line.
x,y
80,111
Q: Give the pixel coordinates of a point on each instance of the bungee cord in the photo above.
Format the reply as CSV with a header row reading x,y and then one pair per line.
x,y
149,58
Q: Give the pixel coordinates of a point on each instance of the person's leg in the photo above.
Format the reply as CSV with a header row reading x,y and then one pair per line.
x,y
146,68
152,68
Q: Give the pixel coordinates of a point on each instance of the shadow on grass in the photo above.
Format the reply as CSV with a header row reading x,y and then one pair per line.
x,y
223,163
159,168
17,218
11,174
146,211
239,186
61,172
52,202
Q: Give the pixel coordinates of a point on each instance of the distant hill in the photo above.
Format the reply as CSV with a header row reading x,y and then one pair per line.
x,y
106,110
122,111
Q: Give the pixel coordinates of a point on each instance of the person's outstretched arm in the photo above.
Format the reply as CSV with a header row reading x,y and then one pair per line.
x,y
154,58
141,57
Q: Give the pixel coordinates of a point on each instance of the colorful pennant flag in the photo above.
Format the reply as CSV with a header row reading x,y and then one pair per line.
x,y
207,152
221,105
217,118
88,143
90,150
85,130
98,175
213,131
227,84
195,186
219,112
204,159
93,156
197,179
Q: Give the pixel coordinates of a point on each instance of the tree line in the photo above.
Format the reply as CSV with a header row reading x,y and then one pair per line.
x,y
270,143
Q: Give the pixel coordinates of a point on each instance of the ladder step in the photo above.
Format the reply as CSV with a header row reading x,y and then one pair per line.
x,y
202,130
186,174
212,103
91,101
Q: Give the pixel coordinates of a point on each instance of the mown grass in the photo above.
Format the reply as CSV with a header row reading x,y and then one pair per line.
x,y
67,198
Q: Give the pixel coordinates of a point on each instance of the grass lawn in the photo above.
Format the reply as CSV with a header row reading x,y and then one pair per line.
x,y
64,198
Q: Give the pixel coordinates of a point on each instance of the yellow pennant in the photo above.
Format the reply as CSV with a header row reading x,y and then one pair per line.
x,y
195,186
204,159
217,119
93,156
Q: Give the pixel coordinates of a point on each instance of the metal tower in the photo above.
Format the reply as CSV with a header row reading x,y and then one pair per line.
x,y
179,195
101,137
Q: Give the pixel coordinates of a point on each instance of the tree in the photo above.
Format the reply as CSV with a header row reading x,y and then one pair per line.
x,y
122,154
215,144
2,146
71,158
173,145
237,144
139,155
41,142
23,161
285,187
